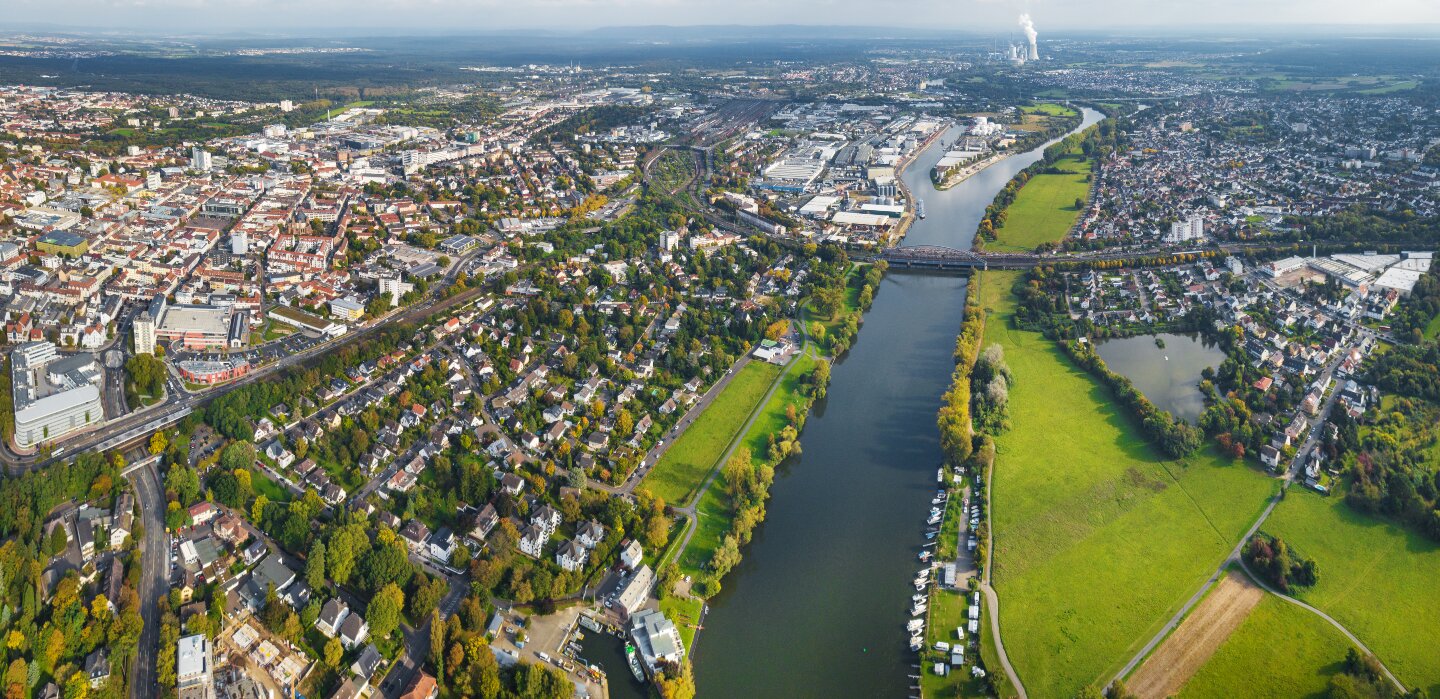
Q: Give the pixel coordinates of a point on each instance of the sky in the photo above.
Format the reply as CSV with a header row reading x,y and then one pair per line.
x,y
327,16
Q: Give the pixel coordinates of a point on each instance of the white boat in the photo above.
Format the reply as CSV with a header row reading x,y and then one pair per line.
x,y
916,644
940,476
634,659
917,598
924,555
918,610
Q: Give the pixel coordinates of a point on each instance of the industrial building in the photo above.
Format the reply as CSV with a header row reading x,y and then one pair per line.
x,y
53,396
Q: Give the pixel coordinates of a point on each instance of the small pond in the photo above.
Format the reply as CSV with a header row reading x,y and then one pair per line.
x,y
1170,375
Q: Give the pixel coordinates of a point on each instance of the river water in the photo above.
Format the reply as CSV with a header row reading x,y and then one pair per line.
x,y
817,607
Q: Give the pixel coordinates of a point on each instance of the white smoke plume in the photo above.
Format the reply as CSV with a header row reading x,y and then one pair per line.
x,y
1029,27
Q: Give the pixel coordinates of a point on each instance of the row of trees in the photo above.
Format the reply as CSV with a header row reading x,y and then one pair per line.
x,y
956,429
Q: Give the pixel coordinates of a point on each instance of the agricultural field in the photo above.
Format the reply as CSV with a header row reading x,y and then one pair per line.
x,y
1280,650
682,469
1370,570
1044,210
1098,538
1191,645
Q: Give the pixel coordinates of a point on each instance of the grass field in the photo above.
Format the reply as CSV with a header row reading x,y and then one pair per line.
x,y
1049,109
1044,210
1281,650
269,487
714,506
1376,578
1098,539
947,613
685,614
1432,328
683,468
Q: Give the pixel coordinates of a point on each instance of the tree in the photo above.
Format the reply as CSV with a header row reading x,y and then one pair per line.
x,y
334,652
315,566
158,442
737,470
677,683
57,541
383,612
238,455
828,300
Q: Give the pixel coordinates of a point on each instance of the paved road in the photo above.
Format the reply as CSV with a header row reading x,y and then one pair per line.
x,y
690,510
1358,643
154,578
417,641
176,402
992,601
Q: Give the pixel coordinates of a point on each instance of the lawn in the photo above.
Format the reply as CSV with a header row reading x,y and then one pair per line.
x,y
684,467
685,614
1099,540
1377,578
1044,210
1049,109
713,509
947,613
263,484
1432,328
1280,650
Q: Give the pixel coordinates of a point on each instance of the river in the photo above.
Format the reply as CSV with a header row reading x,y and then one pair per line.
x,y
817,607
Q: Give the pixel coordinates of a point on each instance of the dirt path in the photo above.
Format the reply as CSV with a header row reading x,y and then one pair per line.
x,y
1196,639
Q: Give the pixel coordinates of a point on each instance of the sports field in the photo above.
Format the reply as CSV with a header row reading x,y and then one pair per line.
x,y
1280,651
1380,580
683,468
1099,540
1044,210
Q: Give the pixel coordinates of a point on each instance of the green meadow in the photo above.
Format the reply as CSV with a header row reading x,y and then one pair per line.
x,y
1099,539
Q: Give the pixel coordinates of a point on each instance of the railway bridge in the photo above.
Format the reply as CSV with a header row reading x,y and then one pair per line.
x,y
940,257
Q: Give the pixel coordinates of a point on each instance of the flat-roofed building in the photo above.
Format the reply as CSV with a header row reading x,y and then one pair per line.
x,y
347,308
53,397
194,671
306,321
196,327
63,243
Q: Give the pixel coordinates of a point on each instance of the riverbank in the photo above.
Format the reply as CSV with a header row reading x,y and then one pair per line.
x,y
970,170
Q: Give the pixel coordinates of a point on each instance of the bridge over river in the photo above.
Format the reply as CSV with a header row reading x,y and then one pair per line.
x,y
947,258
